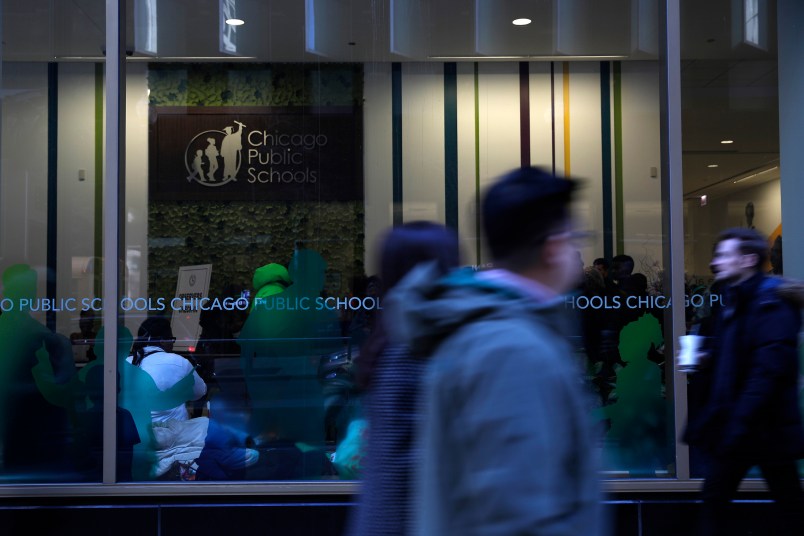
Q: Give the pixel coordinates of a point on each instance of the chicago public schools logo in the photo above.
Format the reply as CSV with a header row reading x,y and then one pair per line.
x,y
212,158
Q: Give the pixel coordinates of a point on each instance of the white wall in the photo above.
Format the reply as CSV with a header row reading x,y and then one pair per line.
x,y
23,168
23,179
422,142
586,150
498,144
76,198
642,202
136,186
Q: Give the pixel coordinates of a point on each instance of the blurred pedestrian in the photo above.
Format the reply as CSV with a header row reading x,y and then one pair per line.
x,y
750,415
507,443
391,378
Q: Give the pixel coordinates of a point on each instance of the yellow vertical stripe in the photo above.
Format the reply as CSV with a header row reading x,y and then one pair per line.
x,y
567,171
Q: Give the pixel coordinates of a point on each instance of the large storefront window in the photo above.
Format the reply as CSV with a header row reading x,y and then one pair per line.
x,y
256,185
264,161
257,191
255,212
733,175
51,388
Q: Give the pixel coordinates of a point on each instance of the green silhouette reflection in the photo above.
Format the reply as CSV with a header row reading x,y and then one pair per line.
x,y
637,438
37,388
282,343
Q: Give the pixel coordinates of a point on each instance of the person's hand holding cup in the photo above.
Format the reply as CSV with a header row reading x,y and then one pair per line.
x,y
690,352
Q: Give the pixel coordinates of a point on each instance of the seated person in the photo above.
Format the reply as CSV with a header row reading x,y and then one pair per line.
x,y
152,353
201,448
84,340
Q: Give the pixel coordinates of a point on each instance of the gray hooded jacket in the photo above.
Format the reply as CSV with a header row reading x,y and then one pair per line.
x,y
506,441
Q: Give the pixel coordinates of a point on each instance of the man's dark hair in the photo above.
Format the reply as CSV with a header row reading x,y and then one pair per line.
x,y
751,243
623,264
520,212
623,259
601,262
154,331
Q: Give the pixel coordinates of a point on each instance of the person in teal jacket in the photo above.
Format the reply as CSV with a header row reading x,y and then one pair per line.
x,y
507,444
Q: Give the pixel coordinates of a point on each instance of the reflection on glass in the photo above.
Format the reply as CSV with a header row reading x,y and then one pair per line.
x,y
730,121
280,174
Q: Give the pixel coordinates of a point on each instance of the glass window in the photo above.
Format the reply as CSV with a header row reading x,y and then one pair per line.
x,y
51,384
260,180
263,163
731,164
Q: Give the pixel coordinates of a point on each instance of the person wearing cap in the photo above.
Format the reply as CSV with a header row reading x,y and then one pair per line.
x,y
507,446
269,280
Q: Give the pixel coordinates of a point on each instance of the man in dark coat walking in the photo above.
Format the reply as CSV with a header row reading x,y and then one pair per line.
x,y
750,415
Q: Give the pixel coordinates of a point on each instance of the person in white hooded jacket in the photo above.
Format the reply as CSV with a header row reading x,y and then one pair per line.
x,y
204,449
152,353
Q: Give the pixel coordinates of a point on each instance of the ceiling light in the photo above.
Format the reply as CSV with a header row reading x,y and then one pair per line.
x,y
712,165
726,142
235,22
521,22
704,200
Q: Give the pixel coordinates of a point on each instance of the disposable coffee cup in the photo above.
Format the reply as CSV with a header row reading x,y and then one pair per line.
x,y
689,354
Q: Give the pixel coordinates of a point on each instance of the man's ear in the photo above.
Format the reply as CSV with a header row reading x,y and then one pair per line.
x,y
750,260
553,249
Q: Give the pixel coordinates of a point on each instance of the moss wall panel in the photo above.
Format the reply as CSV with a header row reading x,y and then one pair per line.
x,y
255,85
239,237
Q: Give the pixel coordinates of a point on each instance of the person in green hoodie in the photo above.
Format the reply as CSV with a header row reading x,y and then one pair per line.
x,y
269,280
281,346
507,444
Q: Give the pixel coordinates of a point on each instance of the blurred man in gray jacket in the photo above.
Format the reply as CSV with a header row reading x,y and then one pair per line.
x,y
507,445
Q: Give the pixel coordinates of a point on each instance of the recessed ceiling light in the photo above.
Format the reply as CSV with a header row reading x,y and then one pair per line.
x,y
712,165
726,141
521,22
235,22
